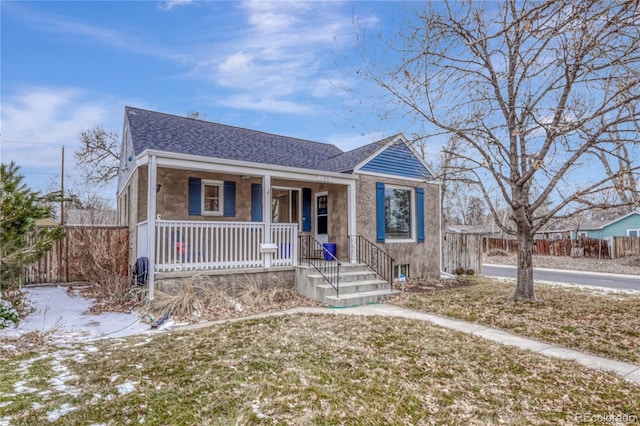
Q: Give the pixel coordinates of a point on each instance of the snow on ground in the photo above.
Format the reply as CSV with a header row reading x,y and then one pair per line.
x,y
69,320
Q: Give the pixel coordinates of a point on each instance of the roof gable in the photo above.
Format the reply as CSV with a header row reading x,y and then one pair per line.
x,y
594,226
397,159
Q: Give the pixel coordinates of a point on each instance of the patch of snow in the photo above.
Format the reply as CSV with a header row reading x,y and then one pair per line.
x,y
593,289
5,421
114,377
5,403
144,342
36,406
67,320
54,415
127,387
90,348
141,419
256,409
21,387
64,375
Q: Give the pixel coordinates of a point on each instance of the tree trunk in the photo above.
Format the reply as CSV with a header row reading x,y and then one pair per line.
x,y
524,286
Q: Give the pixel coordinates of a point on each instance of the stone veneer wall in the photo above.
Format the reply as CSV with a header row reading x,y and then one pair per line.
x,y
423,258
172,282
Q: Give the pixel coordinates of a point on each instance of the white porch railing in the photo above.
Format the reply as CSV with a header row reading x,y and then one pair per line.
x,y
195,245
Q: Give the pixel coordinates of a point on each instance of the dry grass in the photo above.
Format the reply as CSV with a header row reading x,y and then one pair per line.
x,y
596,322
198,299
307,370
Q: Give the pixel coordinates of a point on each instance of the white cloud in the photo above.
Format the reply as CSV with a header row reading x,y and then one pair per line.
x,y
279,57
170,4
257,103
37,121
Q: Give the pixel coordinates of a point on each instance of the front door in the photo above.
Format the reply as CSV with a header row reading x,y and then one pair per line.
x,y
322,217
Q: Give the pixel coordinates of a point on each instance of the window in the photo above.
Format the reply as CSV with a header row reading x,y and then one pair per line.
x,y
212,197
633,232
285,205
582,234
398,205
400,269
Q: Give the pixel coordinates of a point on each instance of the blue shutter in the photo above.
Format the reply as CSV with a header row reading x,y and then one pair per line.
x,y
229,199
420,213
380,220
306,209
256,202
194,196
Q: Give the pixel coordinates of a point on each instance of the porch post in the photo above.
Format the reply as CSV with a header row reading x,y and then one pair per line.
x,y
351,220
266,217
151,221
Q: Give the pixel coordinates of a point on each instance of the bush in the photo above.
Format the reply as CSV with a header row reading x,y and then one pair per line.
x,y
8,314
470,271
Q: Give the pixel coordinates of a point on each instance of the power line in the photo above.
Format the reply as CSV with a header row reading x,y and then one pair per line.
x,y
17,142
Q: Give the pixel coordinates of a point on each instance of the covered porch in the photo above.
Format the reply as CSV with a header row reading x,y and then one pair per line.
x,y
256,214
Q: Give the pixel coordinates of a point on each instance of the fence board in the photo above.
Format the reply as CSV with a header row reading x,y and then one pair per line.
x,y
67,259
623,246
585,247
462,251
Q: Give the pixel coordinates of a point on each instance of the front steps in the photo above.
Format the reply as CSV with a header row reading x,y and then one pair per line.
x,y
359,285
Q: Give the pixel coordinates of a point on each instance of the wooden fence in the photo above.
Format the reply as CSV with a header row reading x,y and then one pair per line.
x,y
462,251
77,256
623,246
582,247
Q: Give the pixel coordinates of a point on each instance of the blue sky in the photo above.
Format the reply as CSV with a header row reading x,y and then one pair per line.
x,y
276,67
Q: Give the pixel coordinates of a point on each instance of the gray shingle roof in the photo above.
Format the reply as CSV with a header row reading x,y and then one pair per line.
x,y
171,133
347,161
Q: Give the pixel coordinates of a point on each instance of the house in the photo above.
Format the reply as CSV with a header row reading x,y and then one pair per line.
x,y
627,225
231,203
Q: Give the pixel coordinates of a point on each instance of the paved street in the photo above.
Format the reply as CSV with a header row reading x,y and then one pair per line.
x,y
628,282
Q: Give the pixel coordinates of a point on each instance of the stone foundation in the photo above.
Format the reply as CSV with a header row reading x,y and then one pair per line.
x,y
171,282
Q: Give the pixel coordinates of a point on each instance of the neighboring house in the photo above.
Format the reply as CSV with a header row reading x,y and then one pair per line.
x,y
228,202
627,225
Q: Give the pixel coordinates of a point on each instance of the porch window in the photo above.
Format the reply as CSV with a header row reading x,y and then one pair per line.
x,y
285,205
212,197
398,205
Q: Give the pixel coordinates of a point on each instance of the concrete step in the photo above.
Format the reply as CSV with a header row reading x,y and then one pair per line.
x,y
324,290
346,277
357,299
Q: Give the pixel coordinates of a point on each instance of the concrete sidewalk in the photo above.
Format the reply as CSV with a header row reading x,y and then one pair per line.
x,y
628,371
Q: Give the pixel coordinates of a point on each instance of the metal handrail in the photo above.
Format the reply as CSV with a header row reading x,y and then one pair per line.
x,y
374,257
309,248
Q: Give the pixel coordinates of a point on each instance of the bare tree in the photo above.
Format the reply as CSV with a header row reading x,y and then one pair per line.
x,y
98,155
536,94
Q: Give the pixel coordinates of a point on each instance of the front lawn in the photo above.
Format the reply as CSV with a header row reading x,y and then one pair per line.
x,y
306,369
605,324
